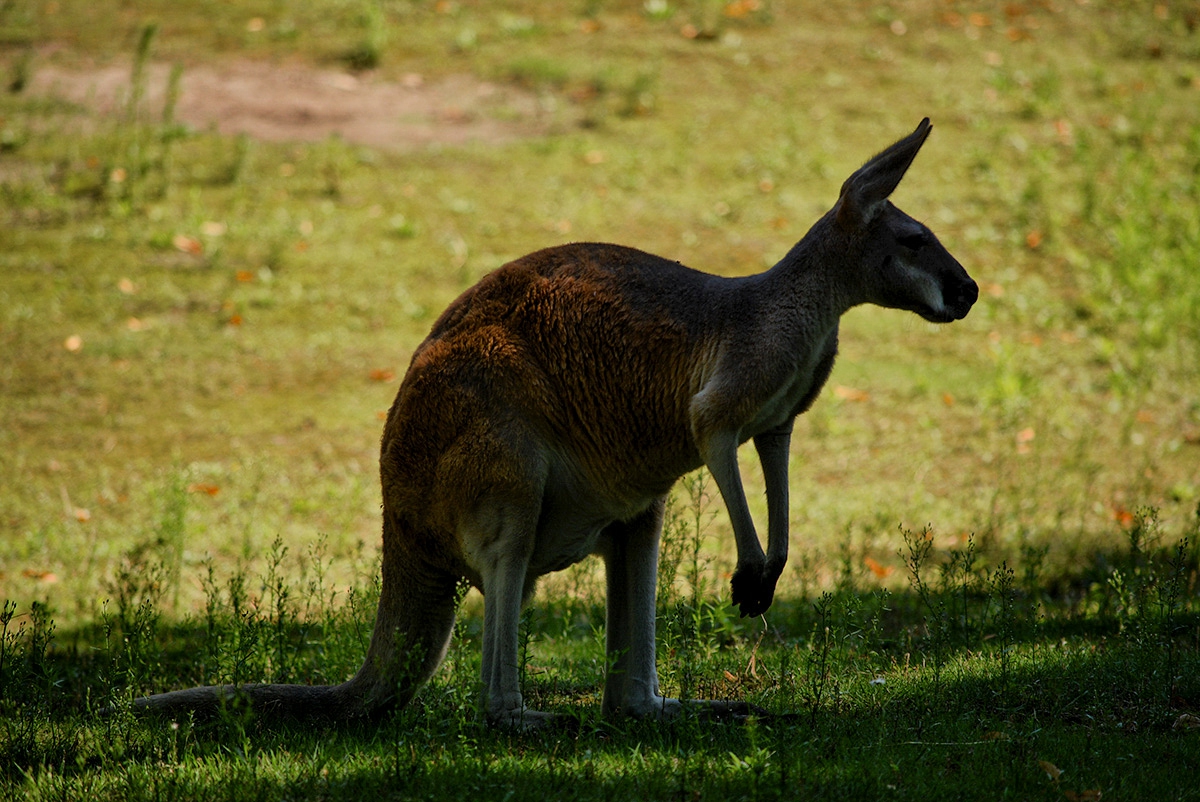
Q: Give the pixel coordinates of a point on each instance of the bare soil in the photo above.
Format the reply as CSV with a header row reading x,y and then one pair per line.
x,y
300,103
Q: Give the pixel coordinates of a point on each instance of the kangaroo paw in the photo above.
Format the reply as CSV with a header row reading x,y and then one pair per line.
x,y
753,589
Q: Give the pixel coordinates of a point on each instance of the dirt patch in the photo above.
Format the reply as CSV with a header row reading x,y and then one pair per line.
x,y
294,103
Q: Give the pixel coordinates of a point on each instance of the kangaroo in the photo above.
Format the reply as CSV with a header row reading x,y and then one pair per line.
x,y
553,406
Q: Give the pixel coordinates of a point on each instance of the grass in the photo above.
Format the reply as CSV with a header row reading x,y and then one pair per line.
x,y
200,332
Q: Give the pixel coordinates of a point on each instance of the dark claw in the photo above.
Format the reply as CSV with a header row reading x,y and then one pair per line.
x,y
754,590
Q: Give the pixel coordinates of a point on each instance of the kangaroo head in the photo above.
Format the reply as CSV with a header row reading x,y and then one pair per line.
x,y
903,264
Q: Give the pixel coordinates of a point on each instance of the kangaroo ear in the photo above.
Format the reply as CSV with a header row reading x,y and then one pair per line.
x,y
864,192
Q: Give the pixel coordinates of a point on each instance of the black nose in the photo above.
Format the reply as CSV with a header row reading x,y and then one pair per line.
x,y
968,294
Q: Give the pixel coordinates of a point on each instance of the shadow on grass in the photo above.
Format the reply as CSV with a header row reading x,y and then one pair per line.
x,y
972,683
1103,714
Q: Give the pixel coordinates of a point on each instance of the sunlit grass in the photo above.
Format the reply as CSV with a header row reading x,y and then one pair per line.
x,y
200,333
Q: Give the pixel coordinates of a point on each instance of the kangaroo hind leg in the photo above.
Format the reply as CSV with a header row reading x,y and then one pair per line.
x,y
630,551
499,539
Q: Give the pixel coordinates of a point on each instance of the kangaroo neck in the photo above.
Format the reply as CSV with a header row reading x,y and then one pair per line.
x,y
811,279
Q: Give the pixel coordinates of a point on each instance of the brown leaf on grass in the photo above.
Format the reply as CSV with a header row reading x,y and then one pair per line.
x,y
850,394
742,8
1092,795
382,375
1024,438
186,244
879,569
1015,10
203,487
1186,722
49,577
1052,771
1065,131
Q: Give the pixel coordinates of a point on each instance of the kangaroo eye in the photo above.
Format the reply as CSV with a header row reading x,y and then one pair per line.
x,y
914,242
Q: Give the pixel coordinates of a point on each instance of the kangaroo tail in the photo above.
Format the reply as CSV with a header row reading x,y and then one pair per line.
x,y
296,702
412,632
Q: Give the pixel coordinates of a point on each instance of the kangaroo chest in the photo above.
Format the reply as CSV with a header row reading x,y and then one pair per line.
x,y
796,394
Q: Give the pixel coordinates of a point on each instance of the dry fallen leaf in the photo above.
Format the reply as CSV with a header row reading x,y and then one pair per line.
x,y
1186,722
1052,771
1065,131
878,569
850,394
382,375
203,487
186,244
1092,795
49,577
742,8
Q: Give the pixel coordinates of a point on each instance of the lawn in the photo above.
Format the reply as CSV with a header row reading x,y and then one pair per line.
x,y
993,589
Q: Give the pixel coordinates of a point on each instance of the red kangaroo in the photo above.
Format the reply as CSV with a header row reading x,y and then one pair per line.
x,y
554,404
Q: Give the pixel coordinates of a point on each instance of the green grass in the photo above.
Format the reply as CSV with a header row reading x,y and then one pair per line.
x,y
244,310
